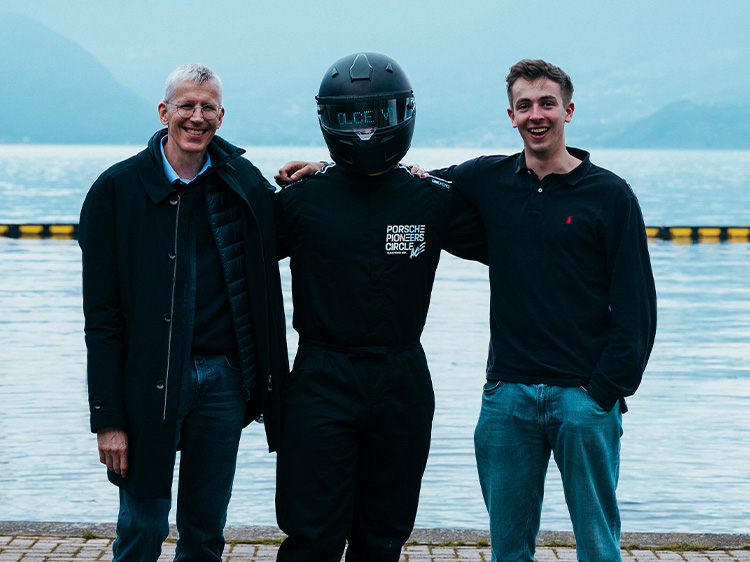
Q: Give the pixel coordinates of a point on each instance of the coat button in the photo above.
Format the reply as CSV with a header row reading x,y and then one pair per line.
x,y
97,404
160,385
174,200
167,318
172,255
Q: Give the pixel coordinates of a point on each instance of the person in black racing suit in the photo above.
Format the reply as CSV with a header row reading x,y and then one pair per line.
x,y
364,237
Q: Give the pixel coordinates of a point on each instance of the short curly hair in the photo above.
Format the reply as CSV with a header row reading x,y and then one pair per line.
x,y
532,69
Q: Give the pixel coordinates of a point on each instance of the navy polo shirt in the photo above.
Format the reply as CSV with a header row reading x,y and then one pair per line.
x,y
572,292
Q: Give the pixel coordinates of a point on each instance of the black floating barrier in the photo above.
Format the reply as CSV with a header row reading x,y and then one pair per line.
x,y
65,231
700,233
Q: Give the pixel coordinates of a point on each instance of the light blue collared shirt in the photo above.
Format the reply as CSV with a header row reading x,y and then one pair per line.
x,y
169,170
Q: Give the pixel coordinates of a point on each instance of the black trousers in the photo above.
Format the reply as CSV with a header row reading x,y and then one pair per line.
x,y
355,439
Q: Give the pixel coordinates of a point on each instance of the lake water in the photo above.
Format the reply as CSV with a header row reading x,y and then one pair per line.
x,y
686,447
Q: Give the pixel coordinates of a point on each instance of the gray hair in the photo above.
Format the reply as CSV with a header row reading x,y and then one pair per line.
x,y
191,72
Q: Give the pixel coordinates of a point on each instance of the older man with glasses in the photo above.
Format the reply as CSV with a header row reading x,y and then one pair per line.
x,y
184,321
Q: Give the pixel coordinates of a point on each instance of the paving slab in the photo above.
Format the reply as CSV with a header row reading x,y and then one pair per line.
x,y
25,541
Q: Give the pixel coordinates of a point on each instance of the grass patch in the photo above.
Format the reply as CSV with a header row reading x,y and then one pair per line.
x,y
88,535
676,547
478,544
685,547
559,544
272,541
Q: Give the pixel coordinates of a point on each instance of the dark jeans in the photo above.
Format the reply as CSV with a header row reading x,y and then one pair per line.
x,y
211,413
356,435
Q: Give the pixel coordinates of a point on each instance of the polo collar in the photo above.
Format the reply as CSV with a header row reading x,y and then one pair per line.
x,y
572,177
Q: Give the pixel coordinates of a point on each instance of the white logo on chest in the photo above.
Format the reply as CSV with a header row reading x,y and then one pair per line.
x,y
405,239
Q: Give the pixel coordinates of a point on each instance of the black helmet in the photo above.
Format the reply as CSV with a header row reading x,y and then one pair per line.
x,y
366,111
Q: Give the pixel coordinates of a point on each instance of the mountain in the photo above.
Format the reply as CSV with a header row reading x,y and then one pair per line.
x,y
685,124
54,91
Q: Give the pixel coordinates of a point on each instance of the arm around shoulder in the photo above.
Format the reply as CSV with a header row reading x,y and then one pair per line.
x,y
466,237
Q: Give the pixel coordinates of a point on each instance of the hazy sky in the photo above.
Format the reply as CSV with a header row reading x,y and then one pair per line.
x,y
626,57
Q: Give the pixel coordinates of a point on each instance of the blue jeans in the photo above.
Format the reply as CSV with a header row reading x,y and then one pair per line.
x,y
518,427
210,418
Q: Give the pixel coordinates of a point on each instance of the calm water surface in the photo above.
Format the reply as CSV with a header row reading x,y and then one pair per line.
x,y
686,447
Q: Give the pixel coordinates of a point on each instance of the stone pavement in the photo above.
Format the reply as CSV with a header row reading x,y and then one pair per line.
x,y
19,548
57,542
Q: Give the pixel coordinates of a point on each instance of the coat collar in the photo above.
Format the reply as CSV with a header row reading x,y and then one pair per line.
x,y
151,171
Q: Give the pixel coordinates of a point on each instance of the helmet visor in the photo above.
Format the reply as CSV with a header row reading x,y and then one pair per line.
x,y
363,116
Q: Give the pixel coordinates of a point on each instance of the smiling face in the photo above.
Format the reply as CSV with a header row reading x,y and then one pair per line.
x,y
189,136
539,113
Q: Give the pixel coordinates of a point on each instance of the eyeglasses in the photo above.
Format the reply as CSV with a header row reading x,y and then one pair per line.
x,y
210,112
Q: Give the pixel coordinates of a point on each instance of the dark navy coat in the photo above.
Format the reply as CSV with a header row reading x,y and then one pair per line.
x,y
135,273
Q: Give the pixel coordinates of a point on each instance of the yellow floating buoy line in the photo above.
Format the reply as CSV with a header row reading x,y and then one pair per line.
x,y
700,233
65,231
674,233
